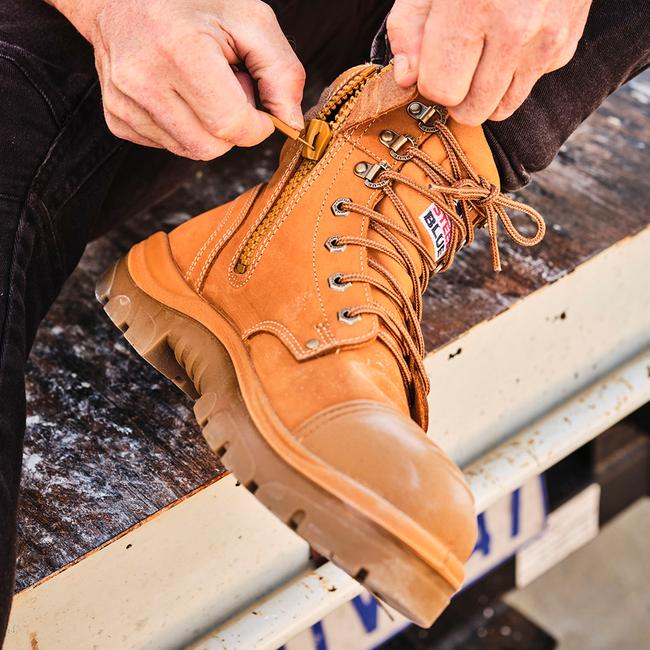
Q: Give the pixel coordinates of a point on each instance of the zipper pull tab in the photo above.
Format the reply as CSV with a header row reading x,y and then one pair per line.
x,y
318,134
289,131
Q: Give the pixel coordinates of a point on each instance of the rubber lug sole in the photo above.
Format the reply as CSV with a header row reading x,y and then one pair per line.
x,y
197,362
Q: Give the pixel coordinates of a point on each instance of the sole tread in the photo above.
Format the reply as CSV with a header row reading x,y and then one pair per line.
x,y
177,347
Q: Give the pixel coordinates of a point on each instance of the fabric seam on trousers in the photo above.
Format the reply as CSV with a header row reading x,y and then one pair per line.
x,y
36,87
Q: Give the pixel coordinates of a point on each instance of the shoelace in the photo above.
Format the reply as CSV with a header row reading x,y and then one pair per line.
x,y
472,193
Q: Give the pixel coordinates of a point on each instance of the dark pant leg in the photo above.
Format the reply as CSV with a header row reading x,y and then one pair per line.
x,y
58,167
28,125
330,37
614,48
35,254
64,179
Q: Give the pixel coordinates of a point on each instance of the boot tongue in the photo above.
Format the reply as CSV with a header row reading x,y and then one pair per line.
x,y
380,94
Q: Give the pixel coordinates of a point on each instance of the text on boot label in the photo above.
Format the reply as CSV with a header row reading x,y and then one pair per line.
x,y
438,225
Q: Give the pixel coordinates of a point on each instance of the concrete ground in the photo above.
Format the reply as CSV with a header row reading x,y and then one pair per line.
x,y
599,597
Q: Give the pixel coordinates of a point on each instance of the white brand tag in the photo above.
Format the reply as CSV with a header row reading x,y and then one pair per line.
x,y
438,225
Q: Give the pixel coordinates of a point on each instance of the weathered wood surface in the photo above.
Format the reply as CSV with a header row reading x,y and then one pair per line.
x,y
109,441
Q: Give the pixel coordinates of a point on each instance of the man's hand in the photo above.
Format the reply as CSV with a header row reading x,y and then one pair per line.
x,y
168,76
481,58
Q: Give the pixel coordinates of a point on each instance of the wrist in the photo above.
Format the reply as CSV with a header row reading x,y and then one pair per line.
x,y
81,13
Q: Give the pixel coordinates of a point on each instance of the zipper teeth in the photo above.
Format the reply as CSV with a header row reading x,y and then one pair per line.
x,y
343,99
265,225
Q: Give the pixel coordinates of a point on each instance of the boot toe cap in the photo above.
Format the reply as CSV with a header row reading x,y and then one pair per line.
x,y
387,453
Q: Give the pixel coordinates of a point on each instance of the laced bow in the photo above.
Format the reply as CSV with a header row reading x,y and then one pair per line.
x,y
469,201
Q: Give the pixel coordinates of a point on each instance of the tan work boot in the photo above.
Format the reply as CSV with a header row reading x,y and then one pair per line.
x,y
292,314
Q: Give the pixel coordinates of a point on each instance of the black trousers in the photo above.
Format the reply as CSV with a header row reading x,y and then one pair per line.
x,y
64,178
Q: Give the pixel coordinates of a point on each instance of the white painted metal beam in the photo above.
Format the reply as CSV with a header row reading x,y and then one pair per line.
x,y
280,616
198,565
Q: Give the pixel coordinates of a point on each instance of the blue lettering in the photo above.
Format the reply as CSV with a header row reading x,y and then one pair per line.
x,y
319,636
367,612
515,510
483,542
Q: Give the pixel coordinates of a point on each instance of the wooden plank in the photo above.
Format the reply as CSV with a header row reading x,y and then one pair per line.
x,y
110,442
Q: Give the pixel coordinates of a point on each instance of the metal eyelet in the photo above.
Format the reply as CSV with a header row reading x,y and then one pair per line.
x,y
394,141
337,210
334,282
344,316
369,172
333,246
425,114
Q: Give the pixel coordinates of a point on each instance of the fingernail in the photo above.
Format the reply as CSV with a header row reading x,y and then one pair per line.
x,y
297,120
400,67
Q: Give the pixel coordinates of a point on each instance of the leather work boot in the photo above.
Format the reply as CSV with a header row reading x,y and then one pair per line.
x,y
292,315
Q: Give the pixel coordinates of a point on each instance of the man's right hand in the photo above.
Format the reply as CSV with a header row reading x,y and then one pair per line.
x,y
167,71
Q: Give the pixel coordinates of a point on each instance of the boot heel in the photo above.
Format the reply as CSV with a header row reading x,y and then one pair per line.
x,y
144,325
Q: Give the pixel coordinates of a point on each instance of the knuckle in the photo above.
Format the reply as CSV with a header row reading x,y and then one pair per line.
x,y
127,79
563,57
395,24
116,127
552,39
510,103
239,127
265,14
172,53
197,151
295,70
506,108
111,107
235,131
480,95
211,123
212,151
515,31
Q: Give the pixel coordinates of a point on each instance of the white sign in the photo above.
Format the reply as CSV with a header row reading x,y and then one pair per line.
x,y
568,528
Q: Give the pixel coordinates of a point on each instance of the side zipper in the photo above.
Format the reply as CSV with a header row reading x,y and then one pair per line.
x,y
318,133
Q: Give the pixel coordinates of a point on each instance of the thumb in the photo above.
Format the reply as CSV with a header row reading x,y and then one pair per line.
x,y
271,61
405,27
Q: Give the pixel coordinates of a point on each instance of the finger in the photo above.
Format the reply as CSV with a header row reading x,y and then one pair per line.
x,y
247,84
270,60
531,67
405,27
122,113
490,83
129,112
217,97
173,114
542,54
184,133
564,31
522,84
159,116
122,130
450,53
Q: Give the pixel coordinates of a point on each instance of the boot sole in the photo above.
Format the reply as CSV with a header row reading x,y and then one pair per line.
x,y
346,531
